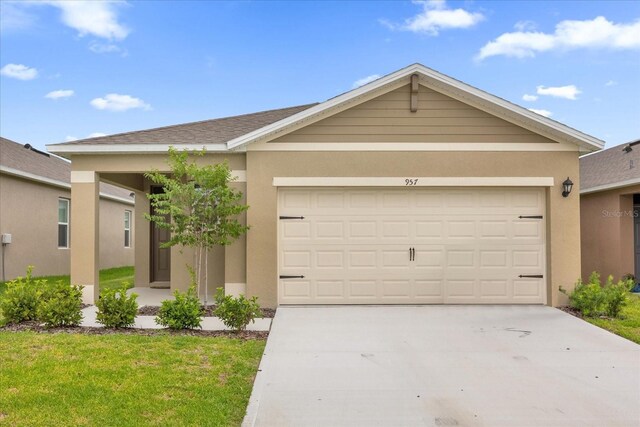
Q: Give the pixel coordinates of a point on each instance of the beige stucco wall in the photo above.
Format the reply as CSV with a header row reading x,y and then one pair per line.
x,y
128,170
112,250
563,219
29,212
606,219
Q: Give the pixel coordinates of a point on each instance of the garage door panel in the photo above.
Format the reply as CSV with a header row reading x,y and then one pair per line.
x,y
353,246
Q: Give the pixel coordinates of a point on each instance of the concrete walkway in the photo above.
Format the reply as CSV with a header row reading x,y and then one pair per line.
x,y
443,366
148,322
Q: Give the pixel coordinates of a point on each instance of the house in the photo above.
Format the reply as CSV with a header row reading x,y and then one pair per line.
x,y
415,188
610,211
35,211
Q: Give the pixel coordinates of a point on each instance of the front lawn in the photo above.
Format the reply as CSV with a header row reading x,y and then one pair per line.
x,y
109,278
628,325
125,380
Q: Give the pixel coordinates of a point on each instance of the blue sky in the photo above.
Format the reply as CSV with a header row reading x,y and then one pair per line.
x,y
75,69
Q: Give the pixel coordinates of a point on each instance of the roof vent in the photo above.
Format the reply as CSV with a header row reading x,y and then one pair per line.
x,y
35,150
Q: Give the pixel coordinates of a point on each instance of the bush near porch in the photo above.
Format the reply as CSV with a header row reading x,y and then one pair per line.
x,y
125,380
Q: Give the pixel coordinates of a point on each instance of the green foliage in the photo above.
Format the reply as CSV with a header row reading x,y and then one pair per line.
x,y
116,309
236,313
184,312
592,299
19,302
61,305
616,296
197,205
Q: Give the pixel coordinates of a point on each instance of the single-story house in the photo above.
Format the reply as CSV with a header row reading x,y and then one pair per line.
x,y
36,220
610,211
413,189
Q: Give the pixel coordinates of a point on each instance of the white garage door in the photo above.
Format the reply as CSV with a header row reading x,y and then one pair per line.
x,y
411,246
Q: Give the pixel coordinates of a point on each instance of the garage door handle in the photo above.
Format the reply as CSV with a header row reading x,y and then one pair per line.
x,y
530,276
292,277
530,217
291,217
412,254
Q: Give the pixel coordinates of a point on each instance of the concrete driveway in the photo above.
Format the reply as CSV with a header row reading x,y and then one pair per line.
x,y
443,366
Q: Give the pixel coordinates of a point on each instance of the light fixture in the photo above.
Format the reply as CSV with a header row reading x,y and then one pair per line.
x,y
567,185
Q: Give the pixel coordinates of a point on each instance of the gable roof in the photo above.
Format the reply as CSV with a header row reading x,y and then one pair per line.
x,y
26,162
213,135
612,168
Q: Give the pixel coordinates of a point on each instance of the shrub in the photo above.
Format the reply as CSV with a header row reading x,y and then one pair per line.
x,y
616,296
61,305
20,300
592,299
116,309
236,313
184,312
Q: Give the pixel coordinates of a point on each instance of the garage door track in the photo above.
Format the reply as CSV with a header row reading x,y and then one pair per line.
x,y
443,366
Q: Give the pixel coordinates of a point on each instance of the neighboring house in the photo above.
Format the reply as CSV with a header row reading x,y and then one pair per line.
x,y
35,209
610,211
415,188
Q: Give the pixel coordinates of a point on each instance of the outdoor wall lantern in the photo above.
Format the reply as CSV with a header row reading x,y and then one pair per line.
x,y
567,185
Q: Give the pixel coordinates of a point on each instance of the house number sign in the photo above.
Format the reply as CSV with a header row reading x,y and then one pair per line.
x,y
410,181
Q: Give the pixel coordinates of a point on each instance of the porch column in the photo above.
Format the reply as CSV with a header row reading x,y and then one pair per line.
x,y
85,227
235,262
142,238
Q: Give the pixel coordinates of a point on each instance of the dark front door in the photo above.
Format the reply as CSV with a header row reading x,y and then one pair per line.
x,y
160,257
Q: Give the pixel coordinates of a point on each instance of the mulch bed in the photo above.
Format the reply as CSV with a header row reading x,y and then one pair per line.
x,y
571,311
36,327
149,310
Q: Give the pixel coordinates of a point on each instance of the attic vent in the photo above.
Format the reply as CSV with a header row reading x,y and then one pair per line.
x,y
35,150
414,93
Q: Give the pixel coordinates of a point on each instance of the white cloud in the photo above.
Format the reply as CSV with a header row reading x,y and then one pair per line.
x,y
529,98
567,92
19,71
595,33
117,102
96,135
14,17
435,17
57,94
70,138
525,26
363,81
104,47
545,113
611,83
96,18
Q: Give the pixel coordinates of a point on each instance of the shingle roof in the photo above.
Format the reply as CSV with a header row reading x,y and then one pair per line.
x,y
609,167
214,131
17,156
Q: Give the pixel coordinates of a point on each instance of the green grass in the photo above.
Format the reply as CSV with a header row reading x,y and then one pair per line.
x,y
628,326
125,380
109,278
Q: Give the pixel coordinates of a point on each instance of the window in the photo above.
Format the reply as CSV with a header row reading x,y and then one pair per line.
x,y
127,229
63,223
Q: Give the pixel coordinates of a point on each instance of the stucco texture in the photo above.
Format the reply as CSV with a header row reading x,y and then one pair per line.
x,y
606,219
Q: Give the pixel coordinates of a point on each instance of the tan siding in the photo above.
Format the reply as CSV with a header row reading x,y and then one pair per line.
x,y
387,118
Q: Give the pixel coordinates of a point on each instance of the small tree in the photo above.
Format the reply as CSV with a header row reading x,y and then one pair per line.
x,y
198,207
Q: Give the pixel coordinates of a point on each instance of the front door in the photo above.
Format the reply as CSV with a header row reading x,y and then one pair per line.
x,y
160,257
